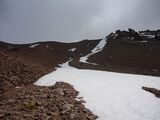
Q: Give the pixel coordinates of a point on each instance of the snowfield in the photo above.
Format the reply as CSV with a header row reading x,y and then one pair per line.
x,y
111,96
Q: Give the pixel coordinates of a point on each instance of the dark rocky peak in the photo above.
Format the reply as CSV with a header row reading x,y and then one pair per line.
x,y
131,34
124,34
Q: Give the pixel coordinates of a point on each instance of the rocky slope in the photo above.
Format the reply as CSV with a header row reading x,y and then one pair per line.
x,y
21,100
21,65
15,72
44,103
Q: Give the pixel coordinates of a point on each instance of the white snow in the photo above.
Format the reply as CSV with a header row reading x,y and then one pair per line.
x,y
33,45
111,96
97,49
148,36
72,49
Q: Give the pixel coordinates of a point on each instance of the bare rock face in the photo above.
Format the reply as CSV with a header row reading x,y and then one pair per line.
x,y
44,103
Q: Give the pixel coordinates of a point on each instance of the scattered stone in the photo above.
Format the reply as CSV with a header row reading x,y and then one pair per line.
x,y
82,101
60,91
31,102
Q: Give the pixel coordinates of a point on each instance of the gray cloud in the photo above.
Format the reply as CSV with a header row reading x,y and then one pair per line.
x,y
3,10
23,21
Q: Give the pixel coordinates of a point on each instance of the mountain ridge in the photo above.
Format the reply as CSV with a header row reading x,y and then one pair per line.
x,y
128,49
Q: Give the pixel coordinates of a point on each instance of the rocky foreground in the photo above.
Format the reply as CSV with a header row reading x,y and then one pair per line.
x,y
44,103
21,100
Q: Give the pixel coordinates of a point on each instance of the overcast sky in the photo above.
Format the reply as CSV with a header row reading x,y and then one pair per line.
x,y
23,21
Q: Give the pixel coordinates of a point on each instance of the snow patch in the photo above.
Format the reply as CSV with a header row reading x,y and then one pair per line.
x,y
66,65
33,45
111,96
148,36
97,49
72,49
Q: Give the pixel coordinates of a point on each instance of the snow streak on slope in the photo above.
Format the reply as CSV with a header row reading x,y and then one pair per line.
x,y
111,96
145,35
72,49
34,45
97,49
